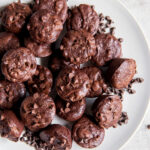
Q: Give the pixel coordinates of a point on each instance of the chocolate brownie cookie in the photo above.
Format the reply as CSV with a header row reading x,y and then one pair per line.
x,y
107,110
78,46
37,111
18,65
44,27
10,126
8,41
70,111
83,17
57,137
10,93
39,50
107,48
41,81
96,81
121,71
87,134
14,16
56,7
72,84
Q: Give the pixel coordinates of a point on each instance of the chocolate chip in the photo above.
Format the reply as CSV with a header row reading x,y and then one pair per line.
x,y
112,30
123,119
131,91
120,40
107,18
148,126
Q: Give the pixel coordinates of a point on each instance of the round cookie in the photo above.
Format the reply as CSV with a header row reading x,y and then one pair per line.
x,y
72,84
8,41
70,111
107,110
87,134
108,47
39,50
18,65
56,7
37,111
14,16
57,137
96,81
44,27
41,81
83,17
121,71
10,126
78,46
10,93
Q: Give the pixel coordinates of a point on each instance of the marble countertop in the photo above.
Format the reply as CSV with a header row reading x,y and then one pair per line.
x,y
140,9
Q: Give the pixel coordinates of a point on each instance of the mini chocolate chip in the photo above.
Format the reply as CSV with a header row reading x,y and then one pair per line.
x,y
148,126
120,40
103,30
123,119
112,30
107,18
101,24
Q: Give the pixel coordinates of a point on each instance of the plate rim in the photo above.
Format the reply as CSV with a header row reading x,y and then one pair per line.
x,y
148,47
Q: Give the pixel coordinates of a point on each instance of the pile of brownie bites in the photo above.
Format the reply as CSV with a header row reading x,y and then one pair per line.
x,y
27,90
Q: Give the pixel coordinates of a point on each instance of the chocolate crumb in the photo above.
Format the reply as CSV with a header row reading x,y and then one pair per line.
x,y
33,140
148,126
112,30
105,25
123,119
120,40
111,90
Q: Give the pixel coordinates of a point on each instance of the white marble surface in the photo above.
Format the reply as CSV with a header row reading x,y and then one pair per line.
x,y
140,9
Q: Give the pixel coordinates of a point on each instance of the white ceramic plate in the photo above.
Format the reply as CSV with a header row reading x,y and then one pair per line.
x,y
134,46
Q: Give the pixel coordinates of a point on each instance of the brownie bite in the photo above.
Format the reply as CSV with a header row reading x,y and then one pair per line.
x,y
97,85
44,27
8,41
10,126
86,133
56,7
107,110
39,50
121,71
41,81
72,84
108,47
14,16
57,137
37,111
83,17
78,46
70,111
10,93
18,65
